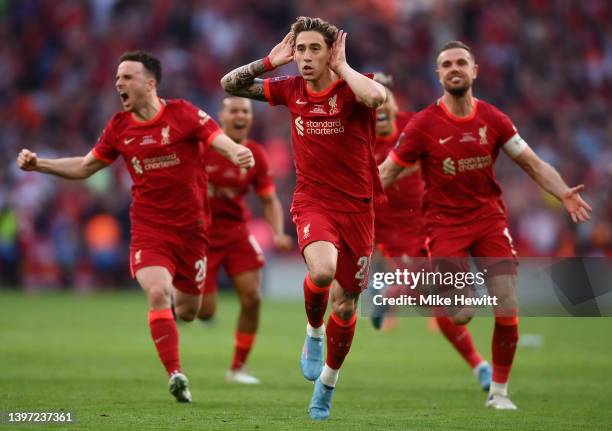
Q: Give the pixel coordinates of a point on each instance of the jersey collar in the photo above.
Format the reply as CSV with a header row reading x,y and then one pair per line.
x,y
453,117
157,116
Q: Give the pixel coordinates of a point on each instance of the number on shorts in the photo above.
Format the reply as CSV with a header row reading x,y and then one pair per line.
x,y
507,235
200,266
363,263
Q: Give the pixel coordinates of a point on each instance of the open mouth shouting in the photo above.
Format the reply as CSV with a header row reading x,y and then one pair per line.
x,y
125,98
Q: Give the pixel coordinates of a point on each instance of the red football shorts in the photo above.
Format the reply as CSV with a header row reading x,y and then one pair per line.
x,y
243,254
351,234
487,240
405,244
181,252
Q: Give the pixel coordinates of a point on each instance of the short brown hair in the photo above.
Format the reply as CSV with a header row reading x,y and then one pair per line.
x,y
455,44
148,60
306,23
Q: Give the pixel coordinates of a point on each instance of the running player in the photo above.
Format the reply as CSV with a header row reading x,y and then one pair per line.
x,y
230,243
160,142
333,121
457,140
399,232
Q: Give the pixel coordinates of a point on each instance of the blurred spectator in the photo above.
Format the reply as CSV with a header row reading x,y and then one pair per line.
x,y
9,247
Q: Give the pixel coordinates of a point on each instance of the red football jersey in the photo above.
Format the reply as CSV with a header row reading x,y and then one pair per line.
x,y
228,184
402,211
457,156
333,139
163,156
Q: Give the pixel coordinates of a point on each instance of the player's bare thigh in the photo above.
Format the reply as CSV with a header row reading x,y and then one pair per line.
x,y
321,259
156,281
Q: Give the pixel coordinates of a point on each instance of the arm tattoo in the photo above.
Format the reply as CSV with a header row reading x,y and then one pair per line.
x,y
243,82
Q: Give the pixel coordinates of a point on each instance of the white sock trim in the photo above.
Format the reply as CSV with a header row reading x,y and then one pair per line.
x,y
476,369
329,376
499,389
315,332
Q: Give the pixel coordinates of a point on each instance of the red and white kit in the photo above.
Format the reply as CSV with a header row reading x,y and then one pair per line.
x,y
169,204
230,243
463,207
337,178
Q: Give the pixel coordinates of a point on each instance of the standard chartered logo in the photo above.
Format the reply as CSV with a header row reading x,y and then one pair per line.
x,y
299,126
325,127
448,166
152,163
136,165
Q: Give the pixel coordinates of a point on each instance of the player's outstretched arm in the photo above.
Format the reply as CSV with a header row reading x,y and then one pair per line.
x,y
72,168
238,154
367,91
549,179
274,215
390,172
243,81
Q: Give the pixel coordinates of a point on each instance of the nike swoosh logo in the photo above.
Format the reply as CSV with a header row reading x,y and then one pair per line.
x,y
127,141
301,102
157,340
445,140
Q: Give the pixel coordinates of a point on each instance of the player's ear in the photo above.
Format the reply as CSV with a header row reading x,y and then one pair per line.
x,y
475,71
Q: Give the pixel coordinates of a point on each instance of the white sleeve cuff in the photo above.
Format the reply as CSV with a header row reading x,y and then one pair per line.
x,y
515,146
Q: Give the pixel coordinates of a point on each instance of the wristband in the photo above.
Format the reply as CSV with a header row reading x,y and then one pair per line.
x,y
267,64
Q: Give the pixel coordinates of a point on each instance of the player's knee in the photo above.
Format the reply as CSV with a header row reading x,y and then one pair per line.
x,y
462,320
344,310
322,274
207,312
158,294
186,313
506,299
251,301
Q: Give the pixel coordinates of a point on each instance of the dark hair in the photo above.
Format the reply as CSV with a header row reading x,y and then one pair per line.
x,y
306,23
455,44
150,62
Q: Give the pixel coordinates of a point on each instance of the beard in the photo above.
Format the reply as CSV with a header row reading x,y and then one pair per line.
x,y
458,91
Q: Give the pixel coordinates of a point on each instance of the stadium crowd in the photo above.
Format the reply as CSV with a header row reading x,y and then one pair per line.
x,y
547,63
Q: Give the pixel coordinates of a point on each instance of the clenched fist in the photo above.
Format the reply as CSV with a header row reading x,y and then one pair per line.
x,y
243,158
283,242
27,160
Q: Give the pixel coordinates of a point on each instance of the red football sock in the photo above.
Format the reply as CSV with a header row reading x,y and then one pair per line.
x,y
315,301
166,338
339,336
505,337
459,336
242,347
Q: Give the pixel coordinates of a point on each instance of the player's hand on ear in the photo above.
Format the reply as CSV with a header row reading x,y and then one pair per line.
x,y
338,52
283,52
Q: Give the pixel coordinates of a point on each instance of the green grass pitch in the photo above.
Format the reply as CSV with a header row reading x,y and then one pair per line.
x,y
92,355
